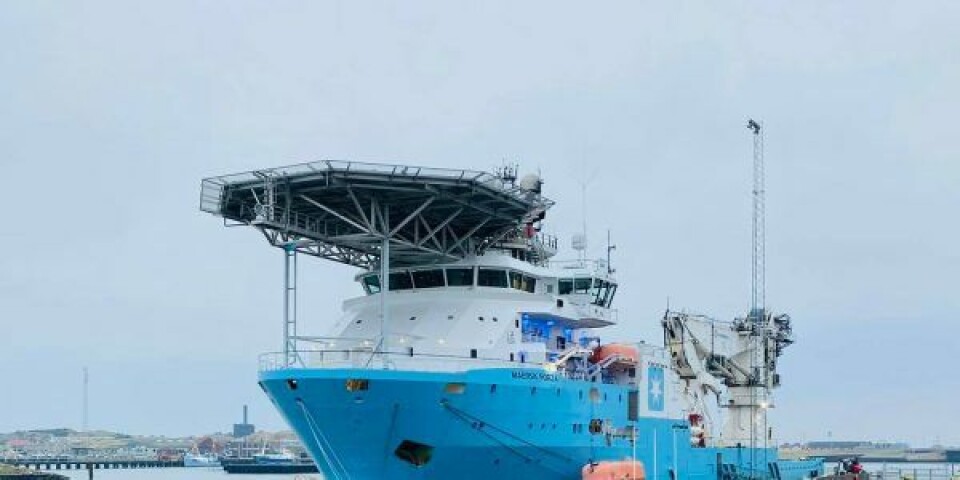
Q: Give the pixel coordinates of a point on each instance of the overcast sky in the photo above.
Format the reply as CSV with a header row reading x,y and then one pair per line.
x,y
112,112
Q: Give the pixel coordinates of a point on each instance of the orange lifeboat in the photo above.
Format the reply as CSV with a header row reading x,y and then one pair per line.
x,y
628,355
616,470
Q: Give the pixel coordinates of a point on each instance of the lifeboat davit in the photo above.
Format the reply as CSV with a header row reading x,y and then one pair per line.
x,y
616,470
627,354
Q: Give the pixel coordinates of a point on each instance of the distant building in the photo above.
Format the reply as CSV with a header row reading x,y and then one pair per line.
x,y
837,444
244,429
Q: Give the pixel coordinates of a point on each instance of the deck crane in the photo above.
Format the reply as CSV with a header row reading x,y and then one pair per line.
x,y
734,362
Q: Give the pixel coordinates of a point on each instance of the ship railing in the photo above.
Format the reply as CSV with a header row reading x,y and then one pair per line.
x,y
367,358
212,200
945,471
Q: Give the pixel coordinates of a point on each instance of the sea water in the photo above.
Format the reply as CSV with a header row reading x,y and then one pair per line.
x,y
197,473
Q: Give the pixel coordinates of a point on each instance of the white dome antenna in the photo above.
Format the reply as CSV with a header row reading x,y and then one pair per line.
x,y
532,182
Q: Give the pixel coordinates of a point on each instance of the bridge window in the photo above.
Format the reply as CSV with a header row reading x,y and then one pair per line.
x,y
529,284
601,288
613,290
400,281
516,280
523,282
460,277
492,278
428,278
582,285
371,283
566,286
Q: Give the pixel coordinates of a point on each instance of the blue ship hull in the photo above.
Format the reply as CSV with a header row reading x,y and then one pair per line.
x,y
492,424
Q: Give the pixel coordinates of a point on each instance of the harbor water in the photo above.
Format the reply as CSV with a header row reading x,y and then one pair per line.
x,y
175,474
913,471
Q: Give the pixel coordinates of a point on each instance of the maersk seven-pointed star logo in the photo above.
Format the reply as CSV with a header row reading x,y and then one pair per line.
x,y
655,388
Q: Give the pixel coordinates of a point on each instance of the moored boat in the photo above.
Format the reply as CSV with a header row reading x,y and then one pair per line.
x,y
472,353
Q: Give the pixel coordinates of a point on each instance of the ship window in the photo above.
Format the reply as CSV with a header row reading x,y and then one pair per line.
x,y
566,286
601,292
473,353
456,388
594,395
414,453
581,285
516,280
357,384
428,278
371,283
613,291
460,277
523,282
596,426
492,278
400,281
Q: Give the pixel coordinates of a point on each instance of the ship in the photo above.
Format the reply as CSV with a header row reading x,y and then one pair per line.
x,y
196,459
472,352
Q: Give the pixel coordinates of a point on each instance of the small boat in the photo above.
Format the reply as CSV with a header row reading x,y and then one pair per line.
x,y
195,459
276,463
281,458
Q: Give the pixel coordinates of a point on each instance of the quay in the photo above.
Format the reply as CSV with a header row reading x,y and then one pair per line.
x,y
88,464
8,472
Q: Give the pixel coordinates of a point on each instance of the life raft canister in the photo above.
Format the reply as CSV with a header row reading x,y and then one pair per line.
x,y
627,353
614,470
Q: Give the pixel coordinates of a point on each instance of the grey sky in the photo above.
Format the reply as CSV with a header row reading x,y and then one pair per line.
x,y
113,111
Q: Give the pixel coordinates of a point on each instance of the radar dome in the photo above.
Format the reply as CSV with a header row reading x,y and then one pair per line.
x,y
531,182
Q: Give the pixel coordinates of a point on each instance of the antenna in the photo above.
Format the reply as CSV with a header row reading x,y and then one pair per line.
x,y
86,387
758,284
610,247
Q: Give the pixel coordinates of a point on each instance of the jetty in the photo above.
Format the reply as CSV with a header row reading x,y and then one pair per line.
x,y
89,463
8,472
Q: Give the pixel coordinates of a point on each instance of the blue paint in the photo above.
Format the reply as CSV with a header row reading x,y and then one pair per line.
x,y
525,427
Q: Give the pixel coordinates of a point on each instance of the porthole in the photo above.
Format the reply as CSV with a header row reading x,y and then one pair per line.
x,y
292,384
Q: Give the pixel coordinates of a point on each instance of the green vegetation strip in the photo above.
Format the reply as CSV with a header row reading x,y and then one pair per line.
x,y
16,473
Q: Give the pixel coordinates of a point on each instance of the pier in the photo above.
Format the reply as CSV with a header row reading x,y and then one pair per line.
x,y
87,464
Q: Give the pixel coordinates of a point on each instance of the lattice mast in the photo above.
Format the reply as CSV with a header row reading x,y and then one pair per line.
x,y
758,314
758,284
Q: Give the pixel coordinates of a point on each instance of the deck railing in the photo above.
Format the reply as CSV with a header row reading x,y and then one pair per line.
x,y
945,471
380,360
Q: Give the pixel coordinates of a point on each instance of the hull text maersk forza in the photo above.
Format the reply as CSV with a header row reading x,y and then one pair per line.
x,y
472,354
